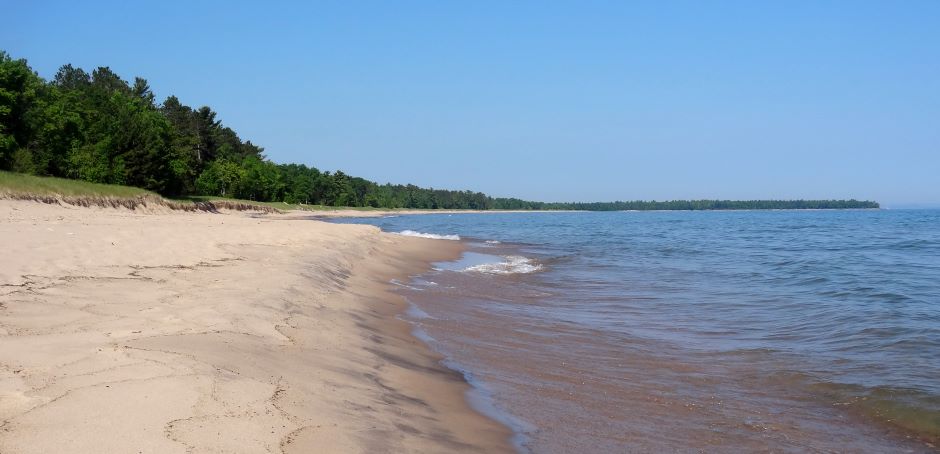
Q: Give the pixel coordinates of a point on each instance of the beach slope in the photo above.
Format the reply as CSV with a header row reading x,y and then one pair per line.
x,y
123,331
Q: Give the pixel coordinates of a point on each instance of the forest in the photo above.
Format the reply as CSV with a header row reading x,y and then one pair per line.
x,y
100,128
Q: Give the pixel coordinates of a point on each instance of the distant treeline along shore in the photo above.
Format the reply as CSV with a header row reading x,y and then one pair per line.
x,y
100,128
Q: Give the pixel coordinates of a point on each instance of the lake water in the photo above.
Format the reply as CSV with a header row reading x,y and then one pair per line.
x,y
785,331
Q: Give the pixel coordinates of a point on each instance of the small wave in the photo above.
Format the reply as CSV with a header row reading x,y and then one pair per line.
x,y
514,264
492,242
432,236
404,285
423,335
415,312
480,397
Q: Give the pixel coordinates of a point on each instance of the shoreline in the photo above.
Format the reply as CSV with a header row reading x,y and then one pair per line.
x,y
495,326
352,213
203,332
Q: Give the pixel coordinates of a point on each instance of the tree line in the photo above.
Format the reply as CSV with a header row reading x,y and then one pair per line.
x,y
692,205
100,128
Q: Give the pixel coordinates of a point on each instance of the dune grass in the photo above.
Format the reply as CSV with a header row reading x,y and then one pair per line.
x,y
82,193
18,184
284,206
52,190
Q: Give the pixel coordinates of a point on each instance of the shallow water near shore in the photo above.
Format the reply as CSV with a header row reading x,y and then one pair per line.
x,y
639,331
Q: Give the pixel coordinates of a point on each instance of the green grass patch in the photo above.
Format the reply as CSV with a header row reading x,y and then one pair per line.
x,y
284,206
22,185
18,185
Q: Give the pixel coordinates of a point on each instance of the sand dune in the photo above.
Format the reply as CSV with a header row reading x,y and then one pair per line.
x,y
194,332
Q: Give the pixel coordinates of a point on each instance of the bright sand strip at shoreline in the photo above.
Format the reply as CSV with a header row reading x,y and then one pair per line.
x,y
180,332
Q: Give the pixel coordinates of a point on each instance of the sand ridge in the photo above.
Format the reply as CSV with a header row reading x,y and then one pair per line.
x,y
197,332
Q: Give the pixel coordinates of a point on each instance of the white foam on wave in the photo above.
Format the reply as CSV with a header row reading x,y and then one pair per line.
x,y
432,236
402,284
423,282
492,242
513,264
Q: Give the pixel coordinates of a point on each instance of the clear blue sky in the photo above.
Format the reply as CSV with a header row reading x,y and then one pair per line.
x,y
544,100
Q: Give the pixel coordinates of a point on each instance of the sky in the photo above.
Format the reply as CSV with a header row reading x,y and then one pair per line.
x,y
551,101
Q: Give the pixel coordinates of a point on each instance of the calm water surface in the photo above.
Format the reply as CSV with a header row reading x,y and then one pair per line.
x,y
785,331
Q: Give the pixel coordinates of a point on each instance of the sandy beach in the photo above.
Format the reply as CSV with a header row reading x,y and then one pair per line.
x,y
167,332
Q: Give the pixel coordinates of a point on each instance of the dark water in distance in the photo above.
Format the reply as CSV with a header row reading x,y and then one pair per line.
x,y
686,331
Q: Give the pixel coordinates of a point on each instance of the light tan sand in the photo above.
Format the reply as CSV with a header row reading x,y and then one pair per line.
x,y
123,332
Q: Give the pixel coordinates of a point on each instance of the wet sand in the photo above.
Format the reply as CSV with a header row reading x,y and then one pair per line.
x,y
124,331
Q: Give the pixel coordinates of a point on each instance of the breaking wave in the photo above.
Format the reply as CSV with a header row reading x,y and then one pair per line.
x,y
513,264
432,236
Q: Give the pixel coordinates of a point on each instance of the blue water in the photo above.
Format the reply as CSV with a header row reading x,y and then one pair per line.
x,y
847,300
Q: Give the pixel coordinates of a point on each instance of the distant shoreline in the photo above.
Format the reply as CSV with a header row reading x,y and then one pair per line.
x,y
59,190
353,213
